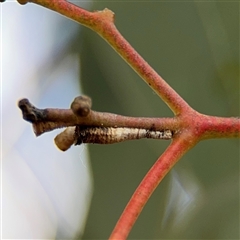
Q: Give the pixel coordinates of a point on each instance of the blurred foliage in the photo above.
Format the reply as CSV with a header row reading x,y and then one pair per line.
x,y
195,47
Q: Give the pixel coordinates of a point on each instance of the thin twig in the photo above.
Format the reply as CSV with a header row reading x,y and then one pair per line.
x,y
48,119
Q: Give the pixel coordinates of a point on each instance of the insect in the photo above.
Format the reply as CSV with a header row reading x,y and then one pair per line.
x,y
108,135
105,135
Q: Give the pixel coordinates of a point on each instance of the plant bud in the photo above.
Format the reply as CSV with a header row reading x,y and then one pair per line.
x,y
81,106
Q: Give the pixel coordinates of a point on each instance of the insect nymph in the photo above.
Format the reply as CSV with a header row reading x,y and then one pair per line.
x,y
81,107
105,135
108,135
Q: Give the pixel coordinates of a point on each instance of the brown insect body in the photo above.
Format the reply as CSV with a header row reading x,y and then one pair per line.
x,y
109,135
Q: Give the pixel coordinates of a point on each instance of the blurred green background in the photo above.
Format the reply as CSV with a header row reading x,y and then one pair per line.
x,y
194,46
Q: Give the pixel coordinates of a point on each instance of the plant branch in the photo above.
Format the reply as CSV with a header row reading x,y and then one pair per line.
x,y
45,120
201,126
220,127
166,161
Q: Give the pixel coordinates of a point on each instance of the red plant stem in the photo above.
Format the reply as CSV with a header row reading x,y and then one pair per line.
x,y
204,126
218,127
155,175
102,22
